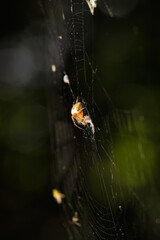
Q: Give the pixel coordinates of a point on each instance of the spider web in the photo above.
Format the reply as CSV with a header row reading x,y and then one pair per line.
x,y
106,176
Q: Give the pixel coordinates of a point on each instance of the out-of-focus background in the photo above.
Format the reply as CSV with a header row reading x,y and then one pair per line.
x,y
127,56
26,204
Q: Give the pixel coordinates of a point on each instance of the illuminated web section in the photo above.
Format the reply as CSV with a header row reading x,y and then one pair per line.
x,y
99,174
76,26
89,186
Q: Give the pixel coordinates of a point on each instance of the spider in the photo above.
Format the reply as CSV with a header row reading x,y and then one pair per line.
x,y
78,116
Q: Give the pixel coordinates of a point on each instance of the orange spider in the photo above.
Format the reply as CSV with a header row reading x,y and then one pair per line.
x,y
78,115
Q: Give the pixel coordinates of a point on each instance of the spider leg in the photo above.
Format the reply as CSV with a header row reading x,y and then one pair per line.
x,y
81,110
75,101
76,124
